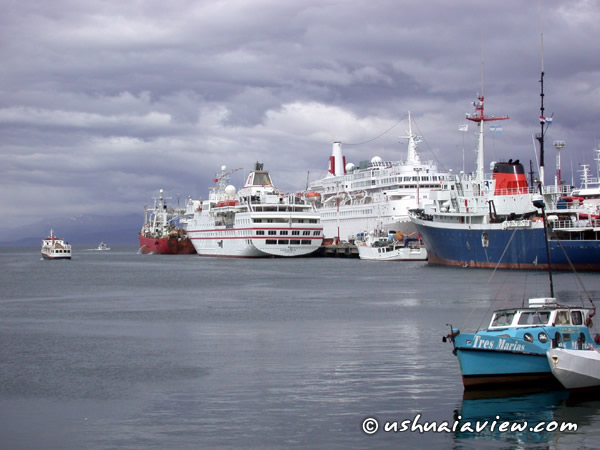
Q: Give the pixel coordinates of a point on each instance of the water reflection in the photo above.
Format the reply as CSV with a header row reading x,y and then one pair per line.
x,y
525,417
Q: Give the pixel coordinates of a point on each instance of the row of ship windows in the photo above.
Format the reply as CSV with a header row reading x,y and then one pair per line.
x,y
276,220
391,180
285,242
232,233
362,184
288,242
356,212
61,251
285,233
284,220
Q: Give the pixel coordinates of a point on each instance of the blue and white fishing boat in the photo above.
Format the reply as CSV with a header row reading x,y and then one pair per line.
x,y
512,349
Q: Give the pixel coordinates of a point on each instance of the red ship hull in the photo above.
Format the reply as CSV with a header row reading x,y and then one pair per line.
x,y
166,246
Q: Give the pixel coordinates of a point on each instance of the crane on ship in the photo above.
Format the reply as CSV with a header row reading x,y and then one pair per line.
x,y
224,174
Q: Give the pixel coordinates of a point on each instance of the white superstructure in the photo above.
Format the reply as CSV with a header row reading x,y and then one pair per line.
x,y
257,221
376,194
55,248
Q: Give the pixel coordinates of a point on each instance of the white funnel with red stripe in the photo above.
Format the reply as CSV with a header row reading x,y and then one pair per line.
x,y
337,161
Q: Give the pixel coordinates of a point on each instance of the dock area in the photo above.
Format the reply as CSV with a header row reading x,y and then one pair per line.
x,y
338,250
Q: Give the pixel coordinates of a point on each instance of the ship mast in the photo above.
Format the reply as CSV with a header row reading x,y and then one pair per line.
x,y
544,121
480,118
412,156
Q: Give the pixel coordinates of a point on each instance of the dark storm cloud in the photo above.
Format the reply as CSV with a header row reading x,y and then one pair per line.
x,y
105,102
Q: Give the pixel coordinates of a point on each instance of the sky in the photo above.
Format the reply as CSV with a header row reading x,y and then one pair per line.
x,y
105,102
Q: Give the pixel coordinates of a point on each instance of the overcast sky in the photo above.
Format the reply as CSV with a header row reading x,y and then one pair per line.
x,y
104,102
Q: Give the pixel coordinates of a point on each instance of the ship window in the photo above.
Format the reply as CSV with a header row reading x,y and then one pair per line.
x,y
272,232
283,241
260,232
502,319
485,240
295,233
271,242
562,318
305,241
534,318
295,242
576,318
527,337
316,233
283,232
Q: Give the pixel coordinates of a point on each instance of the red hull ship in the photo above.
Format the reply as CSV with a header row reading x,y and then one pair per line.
x,y
166,246
161,233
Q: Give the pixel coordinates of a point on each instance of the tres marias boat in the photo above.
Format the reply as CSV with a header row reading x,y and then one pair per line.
x,y
55,248
512,349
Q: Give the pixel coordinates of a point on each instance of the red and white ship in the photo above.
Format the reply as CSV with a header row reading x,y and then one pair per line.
x,y
55,248
161,233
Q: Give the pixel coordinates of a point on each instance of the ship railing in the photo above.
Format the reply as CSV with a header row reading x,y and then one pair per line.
x,y
575,225
524,190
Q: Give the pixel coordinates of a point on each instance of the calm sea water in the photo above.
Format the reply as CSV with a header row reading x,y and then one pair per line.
x,y
120,350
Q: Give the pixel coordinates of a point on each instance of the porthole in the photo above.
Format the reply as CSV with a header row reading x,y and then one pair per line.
x,y
543,337
527,337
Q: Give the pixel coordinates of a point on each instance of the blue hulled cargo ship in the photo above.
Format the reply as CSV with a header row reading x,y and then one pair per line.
x,y
490,220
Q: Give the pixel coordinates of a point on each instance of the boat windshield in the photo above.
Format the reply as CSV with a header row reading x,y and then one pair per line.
x,y
534,318
503,318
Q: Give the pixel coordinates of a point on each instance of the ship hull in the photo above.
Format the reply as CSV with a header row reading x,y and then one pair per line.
x,y
166,246
489,359
347,222
490,246
52,257
234,243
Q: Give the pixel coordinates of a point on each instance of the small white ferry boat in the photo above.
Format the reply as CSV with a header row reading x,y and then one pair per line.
x,y
576,369
55,248
390,247
256,221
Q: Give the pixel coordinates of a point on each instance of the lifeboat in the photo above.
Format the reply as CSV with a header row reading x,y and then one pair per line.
x,y
313,196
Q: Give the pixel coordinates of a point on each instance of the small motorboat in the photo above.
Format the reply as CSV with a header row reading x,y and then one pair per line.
x,y
102,247
576,370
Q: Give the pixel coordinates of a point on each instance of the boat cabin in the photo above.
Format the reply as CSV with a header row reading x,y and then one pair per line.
x,y
541,312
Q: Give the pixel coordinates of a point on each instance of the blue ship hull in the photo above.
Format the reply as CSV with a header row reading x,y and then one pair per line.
x,y
492,368
508,249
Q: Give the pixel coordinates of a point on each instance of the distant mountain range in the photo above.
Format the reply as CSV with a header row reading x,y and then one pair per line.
x,y
77,230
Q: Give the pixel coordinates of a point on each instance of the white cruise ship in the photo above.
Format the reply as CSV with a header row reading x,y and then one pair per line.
x,y
55,248
376,195
257,221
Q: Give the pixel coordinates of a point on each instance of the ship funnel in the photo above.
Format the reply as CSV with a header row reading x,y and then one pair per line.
x,y
337,161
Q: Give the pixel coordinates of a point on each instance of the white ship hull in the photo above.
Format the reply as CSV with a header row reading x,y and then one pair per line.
x,y
267,240
52,255
347,222
392,254
575,369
